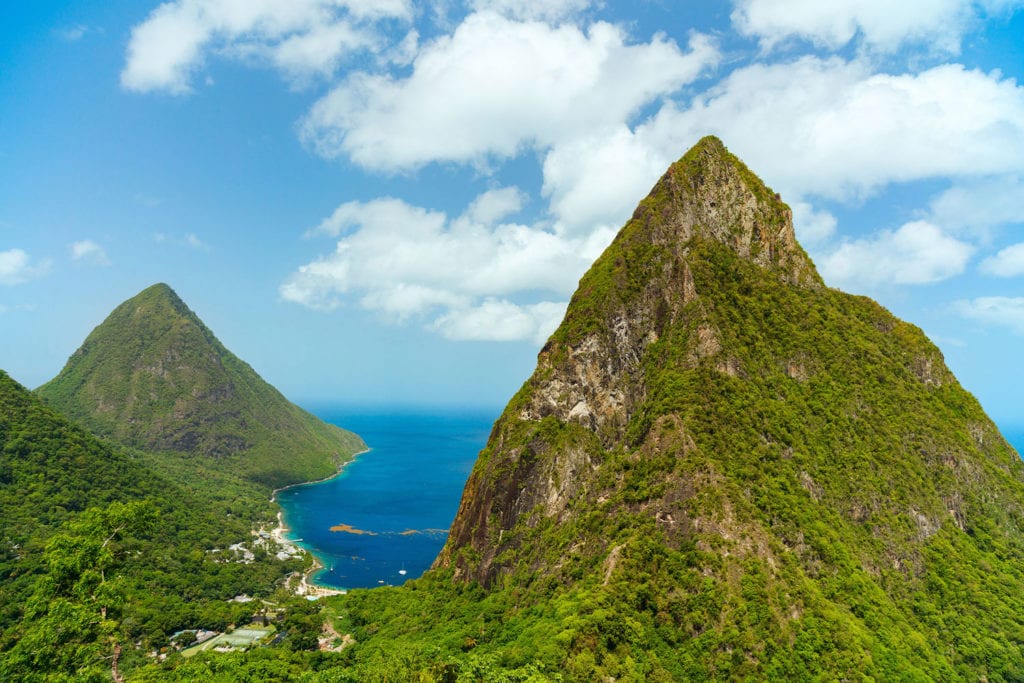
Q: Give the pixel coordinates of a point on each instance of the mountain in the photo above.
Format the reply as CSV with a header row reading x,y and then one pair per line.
x,y
154,377
740,472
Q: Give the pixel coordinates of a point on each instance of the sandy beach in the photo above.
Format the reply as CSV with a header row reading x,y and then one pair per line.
x,y
306,585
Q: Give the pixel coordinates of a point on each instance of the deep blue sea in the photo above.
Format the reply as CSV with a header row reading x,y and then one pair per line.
x,y
402,495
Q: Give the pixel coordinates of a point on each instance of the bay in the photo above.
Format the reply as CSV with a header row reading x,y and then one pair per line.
x,y
391,507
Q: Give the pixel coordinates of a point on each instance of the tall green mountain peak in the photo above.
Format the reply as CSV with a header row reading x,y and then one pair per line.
x,y
733,471
154,377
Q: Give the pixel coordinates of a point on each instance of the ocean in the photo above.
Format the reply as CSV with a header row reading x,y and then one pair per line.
x,y
385,517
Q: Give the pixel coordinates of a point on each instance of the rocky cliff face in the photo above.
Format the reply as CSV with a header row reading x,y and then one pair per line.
x,y
593,371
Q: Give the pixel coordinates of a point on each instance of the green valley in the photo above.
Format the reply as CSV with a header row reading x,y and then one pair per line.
x,y
102,552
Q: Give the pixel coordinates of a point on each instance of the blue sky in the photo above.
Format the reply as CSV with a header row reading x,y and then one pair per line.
x,y
390,202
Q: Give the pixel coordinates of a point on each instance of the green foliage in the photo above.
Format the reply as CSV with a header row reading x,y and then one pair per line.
x,y
154,377
802,490
72,624
303,622
816,534
88,528
50,470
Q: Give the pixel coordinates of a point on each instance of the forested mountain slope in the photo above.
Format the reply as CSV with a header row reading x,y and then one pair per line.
x,y
772,477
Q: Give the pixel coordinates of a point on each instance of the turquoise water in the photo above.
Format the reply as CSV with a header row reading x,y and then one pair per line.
x,y
403,494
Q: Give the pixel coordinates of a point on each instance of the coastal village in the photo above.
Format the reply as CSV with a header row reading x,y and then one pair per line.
x,y
263,629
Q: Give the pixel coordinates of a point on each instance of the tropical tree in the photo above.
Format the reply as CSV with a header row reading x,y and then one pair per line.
x,y
72,628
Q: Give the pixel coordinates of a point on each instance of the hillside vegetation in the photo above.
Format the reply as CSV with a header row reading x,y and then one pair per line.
x,y
99,552
117,536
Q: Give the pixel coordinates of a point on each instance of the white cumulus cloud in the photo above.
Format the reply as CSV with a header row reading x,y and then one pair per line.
x,y
499,320
1009,262
475,276
836,129
826,127
995,310
87,251
604,114
915,254
16,267
811,225
317,51
597,180
495,205
977,205
300,37
545,10
880,24
495,87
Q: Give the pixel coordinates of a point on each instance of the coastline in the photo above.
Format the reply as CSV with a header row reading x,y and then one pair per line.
x,y
341,468
307,586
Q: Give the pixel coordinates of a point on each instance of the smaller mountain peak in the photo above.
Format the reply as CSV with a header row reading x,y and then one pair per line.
x,y
153,376
710,144
160,290
159,300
